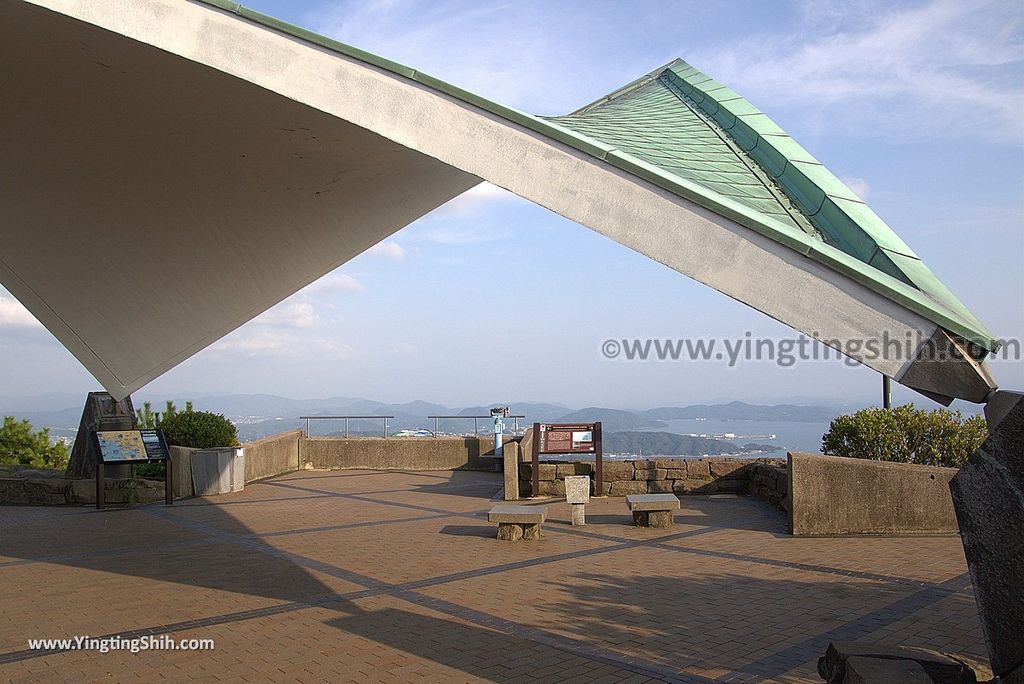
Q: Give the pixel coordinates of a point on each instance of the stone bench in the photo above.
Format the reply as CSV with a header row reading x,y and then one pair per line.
x,y
518,522
652,510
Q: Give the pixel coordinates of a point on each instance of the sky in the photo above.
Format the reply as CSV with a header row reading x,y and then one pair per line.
x,y
917,106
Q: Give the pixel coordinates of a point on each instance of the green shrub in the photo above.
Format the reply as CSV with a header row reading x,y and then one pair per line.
x,y
21,446
156,470
906,435
199,430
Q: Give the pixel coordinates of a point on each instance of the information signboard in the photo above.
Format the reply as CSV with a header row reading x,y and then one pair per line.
x,y
131,446
568,438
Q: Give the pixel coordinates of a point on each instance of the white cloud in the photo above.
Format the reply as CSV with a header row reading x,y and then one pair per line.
x,y
945,68
473,201
858,185
289,314
404,349
281,345
333,283
13,313
430,35
457,234
389,249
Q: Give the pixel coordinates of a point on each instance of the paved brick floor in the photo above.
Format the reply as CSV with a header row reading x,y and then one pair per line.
x,y
396,577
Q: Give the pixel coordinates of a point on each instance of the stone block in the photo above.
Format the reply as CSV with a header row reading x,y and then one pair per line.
x,y
987,495
660,487
509,532
509,513
622,488
728,485
614,471
577,489
675,474
12,491
563,470
727,468
579,514
658,519
691,486
652,502
940,668
552,488
651,474
698,468
118,492
42,473
82,491
46,491
547,471
149,491
865,670
670,463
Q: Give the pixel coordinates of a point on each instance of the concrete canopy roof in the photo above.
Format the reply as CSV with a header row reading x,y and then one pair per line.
x,y
180,167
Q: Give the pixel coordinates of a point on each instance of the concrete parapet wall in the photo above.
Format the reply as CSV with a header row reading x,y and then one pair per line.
x,y
406,453
272,455
836,496
651,476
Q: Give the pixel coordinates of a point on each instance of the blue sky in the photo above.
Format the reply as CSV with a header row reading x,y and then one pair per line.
x,y
918,106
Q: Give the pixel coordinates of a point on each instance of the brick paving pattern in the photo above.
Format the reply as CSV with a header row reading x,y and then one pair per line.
x,y
367,576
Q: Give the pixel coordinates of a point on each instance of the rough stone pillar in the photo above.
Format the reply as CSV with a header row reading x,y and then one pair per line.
x,y
579,514
577,494
988,496
511,470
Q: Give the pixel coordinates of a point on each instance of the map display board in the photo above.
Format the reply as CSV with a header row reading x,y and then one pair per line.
x,y
131,446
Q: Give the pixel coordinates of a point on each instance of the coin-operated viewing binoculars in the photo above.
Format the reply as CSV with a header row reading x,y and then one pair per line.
x,y
499,412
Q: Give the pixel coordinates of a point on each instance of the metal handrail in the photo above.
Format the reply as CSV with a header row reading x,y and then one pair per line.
x,y
476,422
346,419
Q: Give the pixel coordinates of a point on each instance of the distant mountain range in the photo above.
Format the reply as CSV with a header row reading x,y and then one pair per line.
x,y
260,415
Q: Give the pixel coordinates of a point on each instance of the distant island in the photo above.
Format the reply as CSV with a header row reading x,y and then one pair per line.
x,y
671,444
740,410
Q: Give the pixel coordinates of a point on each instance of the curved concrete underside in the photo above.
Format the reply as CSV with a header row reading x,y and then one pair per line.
x,y
172,170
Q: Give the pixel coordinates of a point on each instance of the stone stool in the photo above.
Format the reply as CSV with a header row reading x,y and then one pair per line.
x,y
518,522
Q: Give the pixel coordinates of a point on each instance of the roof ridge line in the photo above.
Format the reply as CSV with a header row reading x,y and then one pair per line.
x,y
831,206
759,173
629,87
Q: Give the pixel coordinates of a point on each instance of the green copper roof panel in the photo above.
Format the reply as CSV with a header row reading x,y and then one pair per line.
x,y
693,136
651,123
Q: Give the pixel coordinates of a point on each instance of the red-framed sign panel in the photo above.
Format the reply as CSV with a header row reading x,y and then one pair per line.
x,y
568,438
